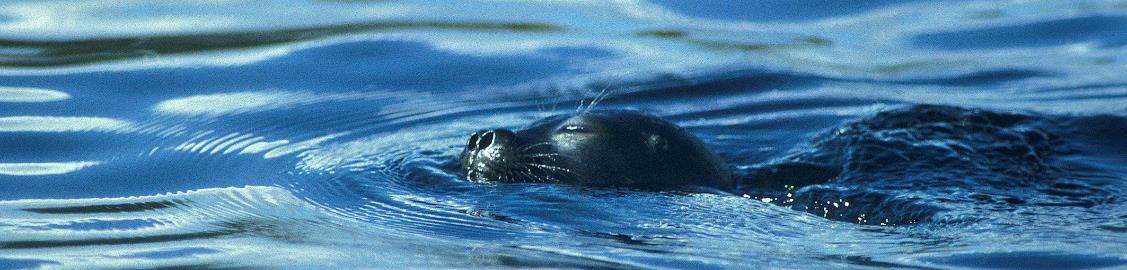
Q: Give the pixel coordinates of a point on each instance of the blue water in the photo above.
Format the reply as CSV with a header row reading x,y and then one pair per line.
x,y
903,134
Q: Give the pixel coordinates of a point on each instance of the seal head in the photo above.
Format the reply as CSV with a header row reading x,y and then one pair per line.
x,y
597,148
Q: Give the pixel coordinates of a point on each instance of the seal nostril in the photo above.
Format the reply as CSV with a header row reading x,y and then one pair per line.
x,y
472,145
486,140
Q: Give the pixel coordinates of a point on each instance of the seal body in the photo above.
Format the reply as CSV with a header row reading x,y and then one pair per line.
x,y
597,148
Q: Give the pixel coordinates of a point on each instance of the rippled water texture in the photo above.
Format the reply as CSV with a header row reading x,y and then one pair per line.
x,y
908,134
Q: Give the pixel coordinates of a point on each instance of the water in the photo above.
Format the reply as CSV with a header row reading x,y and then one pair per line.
x,y
304,135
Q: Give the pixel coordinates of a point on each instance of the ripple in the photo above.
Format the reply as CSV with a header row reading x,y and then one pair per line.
x,y
26,94
63,124
202,214
1103,30
1028,260
44,168
207,227
236,143
299,146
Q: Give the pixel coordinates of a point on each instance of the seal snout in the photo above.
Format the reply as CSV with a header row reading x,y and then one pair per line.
x,y
490,139
487,152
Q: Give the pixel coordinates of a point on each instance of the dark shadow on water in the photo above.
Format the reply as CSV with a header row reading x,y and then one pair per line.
x,y
207,267
776,10
797,42
730,83
980,78
75,52
112,241
1103,30
107,208
175,253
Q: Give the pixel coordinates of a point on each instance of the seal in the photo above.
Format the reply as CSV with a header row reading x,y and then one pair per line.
x,y
619,148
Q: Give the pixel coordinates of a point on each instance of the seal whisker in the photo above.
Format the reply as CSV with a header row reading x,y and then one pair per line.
x,y
530,146
542,178
603,94
550,168
548,155
545,176
517,173
538,165
537,156
511,177
529,152
595,100
528,175
579,107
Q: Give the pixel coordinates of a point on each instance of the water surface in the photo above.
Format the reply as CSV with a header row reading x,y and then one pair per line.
x,y
957,134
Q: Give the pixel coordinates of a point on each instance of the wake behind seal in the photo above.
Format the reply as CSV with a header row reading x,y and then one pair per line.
x,y
619,148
